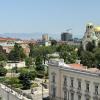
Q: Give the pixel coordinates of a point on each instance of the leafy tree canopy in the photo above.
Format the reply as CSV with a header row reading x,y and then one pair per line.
x,y
17,53
3,71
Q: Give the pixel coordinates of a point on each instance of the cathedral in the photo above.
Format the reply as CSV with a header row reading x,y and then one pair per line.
x,y
92,34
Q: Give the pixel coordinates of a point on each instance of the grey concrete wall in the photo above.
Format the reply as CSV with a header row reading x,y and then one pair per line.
x,y
8,94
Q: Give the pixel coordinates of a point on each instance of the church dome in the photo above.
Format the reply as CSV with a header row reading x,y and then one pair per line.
x,y
97,29
89,24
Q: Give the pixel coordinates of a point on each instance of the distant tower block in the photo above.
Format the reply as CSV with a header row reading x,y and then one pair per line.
x,y
45,37
65,36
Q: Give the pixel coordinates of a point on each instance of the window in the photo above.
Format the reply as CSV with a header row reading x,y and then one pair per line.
x,y
53,78
72,96
91,26
88,27
54,92
65,95
65,80
79,97
72,82
79,85
87,99
87,87
96,89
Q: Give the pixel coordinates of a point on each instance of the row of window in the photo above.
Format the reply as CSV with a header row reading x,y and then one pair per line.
x,y
66,97
96,85
79,85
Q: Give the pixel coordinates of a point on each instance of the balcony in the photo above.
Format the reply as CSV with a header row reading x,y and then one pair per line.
x,y
95,97
64,88
72,89
79,90
53,82
96,94
87,93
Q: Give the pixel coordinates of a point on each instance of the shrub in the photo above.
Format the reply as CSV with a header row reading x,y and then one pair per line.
x,y
32,75
3,71
40,74
24,78
17,85
13,80
2,79
34,85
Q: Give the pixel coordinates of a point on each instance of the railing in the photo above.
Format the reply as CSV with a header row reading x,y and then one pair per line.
x,y
17,93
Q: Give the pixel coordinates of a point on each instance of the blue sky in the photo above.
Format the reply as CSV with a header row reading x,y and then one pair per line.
x,y
48,16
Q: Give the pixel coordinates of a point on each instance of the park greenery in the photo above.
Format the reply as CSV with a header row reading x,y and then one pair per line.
x,y
38,57
17,53
35,62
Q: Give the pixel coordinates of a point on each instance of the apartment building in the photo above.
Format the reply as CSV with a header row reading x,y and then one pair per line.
x,y
73,81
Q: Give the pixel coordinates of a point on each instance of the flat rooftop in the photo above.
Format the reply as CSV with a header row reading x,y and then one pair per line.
x,y
80,67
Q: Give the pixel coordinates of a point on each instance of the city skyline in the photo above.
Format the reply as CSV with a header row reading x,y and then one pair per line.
x,y
47,16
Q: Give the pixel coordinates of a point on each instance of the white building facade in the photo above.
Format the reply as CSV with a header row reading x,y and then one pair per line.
x,y
73,82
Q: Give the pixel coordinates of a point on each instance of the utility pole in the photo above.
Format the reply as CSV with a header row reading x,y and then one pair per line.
x,y
42,89
7,95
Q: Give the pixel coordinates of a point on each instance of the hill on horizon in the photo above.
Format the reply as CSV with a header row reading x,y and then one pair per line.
x,y
35,36
28,36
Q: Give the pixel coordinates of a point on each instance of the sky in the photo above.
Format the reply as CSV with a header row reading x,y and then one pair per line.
x,y
48,16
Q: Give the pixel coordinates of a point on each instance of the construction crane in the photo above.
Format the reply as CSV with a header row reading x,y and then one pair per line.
x,y
69,29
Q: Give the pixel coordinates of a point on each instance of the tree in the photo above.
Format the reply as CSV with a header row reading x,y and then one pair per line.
x,y
38,63
67,53
3,57
26,76
13,80
28,61
80,49
25,79
17,53
90,46
99,44
3,71
53,42
31,49
32,74
87,58
44,51
97,56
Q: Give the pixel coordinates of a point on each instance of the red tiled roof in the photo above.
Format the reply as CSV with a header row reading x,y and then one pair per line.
x,y
81,67
6,39
77,66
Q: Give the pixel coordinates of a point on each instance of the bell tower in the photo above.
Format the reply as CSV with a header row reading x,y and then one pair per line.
x,y
89,30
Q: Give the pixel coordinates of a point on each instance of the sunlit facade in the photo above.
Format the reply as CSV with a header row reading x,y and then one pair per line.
x,y
73,82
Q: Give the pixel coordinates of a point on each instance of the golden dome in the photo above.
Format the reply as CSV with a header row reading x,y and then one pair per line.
x,y
97,29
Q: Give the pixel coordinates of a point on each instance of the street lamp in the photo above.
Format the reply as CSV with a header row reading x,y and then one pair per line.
x,y
7,95
42,89
42,83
